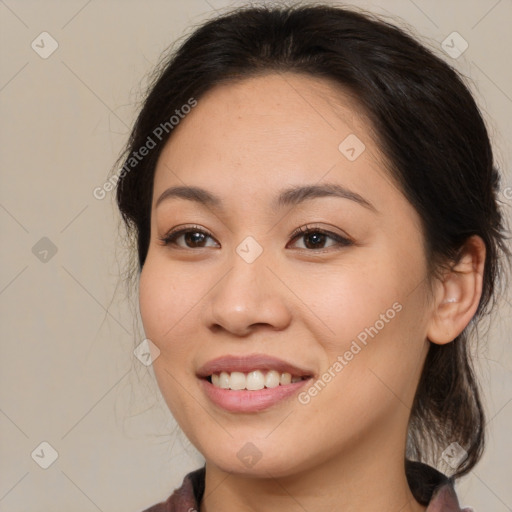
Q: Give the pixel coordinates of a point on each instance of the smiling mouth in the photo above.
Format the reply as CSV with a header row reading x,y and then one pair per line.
x,y
254,380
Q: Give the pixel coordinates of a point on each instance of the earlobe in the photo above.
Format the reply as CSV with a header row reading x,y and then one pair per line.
x,y
457,293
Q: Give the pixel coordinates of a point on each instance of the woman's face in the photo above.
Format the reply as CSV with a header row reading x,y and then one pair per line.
x,y
242,297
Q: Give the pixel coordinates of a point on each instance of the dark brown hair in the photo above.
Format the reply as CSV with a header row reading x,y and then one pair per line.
x,y
428,127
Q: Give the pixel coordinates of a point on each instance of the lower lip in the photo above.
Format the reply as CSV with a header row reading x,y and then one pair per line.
x,y
250,401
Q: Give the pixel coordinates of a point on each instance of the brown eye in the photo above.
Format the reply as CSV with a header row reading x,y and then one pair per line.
x,y
189,238
315,238
194,238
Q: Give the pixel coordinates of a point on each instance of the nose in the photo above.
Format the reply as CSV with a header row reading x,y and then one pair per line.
x,y
248,297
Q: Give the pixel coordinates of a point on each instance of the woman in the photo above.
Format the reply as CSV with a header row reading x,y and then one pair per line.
x,y
313,199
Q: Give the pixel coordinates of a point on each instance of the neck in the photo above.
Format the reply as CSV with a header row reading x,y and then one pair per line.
x,y
372,478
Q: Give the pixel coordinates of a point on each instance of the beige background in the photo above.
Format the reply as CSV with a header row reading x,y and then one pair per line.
x,y
67,372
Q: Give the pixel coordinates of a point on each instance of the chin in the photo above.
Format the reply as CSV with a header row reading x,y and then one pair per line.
x,y
258,459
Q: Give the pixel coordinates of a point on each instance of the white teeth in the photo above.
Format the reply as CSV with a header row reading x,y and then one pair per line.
x,y
223,380
237,381
255,380
252,381
272,379
286,378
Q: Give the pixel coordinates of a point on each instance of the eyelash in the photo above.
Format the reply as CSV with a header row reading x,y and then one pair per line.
x,y
341,241
171,237
305,230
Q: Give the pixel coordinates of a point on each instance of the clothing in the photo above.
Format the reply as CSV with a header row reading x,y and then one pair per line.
x,y
428,486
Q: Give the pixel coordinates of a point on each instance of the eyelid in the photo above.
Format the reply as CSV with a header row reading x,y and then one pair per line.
x,y
303,230
171,236
182,229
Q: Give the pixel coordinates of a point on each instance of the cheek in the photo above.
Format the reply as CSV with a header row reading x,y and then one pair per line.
x,y
377,350
153,302
349,298
372,314
166,306
164,298
163,307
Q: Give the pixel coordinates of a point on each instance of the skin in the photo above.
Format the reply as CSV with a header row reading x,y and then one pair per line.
x,y
344,450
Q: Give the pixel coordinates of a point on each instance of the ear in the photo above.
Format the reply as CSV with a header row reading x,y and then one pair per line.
x,y
457,294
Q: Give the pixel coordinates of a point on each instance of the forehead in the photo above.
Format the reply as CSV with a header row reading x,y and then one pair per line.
x,y
259,133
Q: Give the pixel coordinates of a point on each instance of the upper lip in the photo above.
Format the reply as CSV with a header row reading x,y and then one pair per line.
x,y
245,364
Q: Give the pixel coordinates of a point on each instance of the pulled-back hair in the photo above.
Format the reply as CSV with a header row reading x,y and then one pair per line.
x,y
428,128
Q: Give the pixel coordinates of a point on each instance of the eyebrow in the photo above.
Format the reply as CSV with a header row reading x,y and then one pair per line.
x,y
197,194
290,196
298,194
